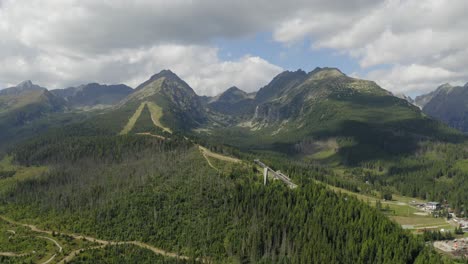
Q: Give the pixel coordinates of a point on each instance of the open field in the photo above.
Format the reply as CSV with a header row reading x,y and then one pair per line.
x,y
402,212
209,153
16,173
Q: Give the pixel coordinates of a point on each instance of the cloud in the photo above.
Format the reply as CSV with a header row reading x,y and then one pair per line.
x,y
66,41
59,43
414,78
198,65
424,38
249,73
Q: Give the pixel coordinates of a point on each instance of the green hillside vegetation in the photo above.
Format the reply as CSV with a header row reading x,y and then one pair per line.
x,y
173,103
26,113
164,169
29,105
164,193
19,244
145,124
437,172
123,254
369,123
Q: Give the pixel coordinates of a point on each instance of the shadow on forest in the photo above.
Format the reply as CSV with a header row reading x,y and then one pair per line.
x,y
374,141
384,141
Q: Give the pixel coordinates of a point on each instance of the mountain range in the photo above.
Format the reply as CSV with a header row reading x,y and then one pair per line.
x,y
448,104
163,169
93,95
299,113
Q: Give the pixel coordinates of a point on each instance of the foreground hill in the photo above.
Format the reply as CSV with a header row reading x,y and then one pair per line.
x,y
164,193
448,104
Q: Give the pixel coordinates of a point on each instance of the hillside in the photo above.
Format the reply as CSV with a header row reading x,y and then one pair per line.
x,y
164,193
405,97
448,104
181,108
24,110
168,171
297,113
423,99
22,87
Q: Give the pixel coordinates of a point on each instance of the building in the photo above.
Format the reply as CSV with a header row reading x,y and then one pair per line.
x,y
432,206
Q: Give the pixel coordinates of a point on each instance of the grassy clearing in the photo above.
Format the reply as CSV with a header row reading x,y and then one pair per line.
x,y
131,122
400,211
19,173
220,165
156,115
208,153
324,154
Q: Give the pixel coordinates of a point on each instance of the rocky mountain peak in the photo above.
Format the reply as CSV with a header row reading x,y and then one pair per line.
x,y
324,73
25,84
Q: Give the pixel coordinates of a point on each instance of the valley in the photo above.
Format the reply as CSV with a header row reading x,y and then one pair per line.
x,y
167,175
233,132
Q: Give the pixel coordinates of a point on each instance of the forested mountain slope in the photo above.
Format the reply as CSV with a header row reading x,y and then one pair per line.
x,y
164,193
367,121
137,171
25,110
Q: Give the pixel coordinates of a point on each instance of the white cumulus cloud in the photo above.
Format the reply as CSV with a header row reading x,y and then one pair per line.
x,y
63,42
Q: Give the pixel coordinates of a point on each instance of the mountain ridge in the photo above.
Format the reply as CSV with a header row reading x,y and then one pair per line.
x,y
94,94
22,87
448,104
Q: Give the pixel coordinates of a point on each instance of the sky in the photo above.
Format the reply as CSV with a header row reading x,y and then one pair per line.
x,y
409,46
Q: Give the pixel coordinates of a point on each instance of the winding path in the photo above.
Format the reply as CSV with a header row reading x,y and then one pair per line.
x,y
103,243
57,244
12,254
207,153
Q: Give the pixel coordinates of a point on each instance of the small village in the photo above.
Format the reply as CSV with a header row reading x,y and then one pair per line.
x,y
457,247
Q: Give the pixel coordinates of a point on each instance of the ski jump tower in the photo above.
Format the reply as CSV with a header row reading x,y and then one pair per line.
x,y
275,174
